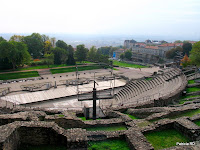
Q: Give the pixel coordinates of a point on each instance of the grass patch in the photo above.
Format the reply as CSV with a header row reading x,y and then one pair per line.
x,y
73,69
197,122
182,100
124,64
61,115
43,147
117,144
193,89
115,69
84,119
148,79
143,124
189,113
166,138
46,66
191,82
110,128
84,62
132,117
17,75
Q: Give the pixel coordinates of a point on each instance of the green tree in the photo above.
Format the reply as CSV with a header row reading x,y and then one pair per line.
x,y
62,44
35,44
81,53
2,39
60,55
122,56
178,41
49,59
47,47
17,38
71,60
187,47
15,52
128,54
173,52
53,41
195,54
92,54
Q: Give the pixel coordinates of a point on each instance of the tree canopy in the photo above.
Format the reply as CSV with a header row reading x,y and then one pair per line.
x,y
195,54
15,52
71,60
81,53
187,47
173,52
92,54
128,54
60,55
2,39
35,44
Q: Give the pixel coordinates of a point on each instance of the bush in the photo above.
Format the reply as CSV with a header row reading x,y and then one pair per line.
x,y
38,63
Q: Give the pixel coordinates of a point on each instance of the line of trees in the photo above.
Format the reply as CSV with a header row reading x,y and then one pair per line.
x,y
126,55
19,50
185,49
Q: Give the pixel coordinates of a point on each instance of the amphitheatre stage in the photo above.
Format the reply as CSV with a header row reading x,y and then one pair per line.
x,y
61,92
41,92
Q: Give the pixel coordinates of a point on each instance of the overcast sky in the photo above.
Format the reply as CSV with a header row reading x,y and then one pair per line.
x,y
131,17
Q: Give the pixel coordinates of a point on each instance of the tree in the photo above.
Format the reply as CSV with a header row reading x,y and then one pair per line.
x,y
178,41
195,54
2,39
60,55
35,44
81,53
187,47
17,38
15,52
47,47
92,54
173,52
62,44
49,59
185,61
128,54
53,41
122,56
71,60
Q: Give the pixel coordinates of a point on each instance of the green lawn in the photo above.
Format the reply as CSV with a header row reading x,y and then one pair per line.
x,y
143,124
148,79
17,75
73,69
84,62
123,64
191,82
189,113
131,116
43,147
108,145
46,66
61,115
84,119
197,122
182,100
110,128
166,138
193,89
